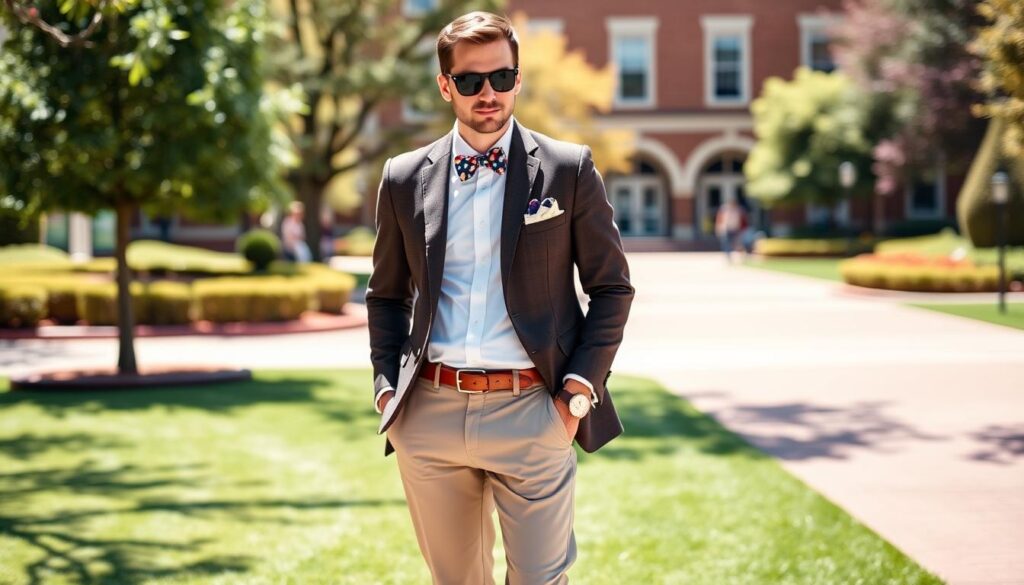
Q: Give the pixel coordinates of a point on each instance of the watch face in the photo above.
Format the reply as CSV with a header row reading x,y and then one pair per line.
x,y
579,405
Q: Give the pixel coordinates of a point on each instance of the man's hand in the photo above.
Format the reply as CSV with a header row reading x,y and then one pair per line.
x,y
386,397
572,424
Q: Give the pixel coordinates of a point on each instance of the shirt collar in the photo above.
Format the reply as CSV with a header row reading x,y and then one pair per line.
x,y
460,146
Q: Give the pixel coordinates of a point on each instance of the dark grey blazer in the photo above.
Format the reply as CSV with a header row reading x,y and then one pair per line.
x,y
536,270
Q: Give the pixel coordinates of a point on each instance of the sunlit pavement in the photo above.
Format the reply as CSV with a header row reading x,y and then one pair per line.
x,y
913,421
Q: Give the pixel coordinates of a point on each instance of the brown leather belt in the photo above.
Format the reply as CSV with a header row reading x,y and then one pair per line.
x,y
477,380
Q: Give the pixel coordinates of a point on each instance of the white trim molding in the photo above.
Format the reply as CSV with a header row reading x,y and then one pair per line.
x,y
668,160
811,25
645,28
554,25
726,25
705,151
680,123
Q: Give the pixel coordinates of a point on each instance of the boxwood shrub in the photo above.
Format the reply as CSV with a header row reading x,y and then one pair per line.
x,y
22,305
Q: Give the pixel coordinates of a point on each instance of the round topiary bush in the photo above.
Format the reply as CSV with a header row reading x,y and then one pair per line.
x,y
259,246
975,208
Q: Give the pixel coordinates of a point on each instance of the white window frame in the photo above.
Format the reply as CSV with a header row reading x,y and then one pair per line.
x,y
554,25
640,26
911,212
718,25
812,25
635,184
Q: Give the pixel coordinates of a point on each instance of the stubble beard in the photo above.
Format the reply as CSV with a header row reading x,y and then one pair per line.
x,y
487,125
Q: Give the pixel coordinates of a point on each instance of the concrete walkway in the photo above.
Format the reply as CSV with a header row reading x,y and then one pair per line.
x,y
911,420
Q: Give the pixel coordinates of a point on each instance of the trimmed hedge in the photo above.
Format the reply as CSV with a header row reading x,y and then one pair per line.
x,y
158,303
270,298
918,273
815,247
22,305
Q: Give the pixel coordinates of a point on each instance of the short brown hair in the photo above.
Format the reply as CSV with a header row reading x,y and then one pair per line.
x,y
478,28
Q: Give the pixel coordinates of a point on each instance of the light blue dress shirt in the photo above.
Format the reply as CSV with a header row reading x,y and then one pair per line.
x,y
472,328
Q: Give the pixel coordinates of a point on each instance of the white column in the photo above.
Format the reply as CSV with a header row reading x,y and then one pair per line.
x,y
79,237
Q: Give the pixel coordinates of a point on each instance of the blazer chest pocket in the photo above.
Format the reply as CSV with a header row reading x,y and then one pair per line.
x,y
548,224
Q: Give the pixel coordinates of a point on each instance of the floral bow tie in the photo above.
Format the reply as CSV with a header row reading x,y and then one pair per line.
x,y
467,165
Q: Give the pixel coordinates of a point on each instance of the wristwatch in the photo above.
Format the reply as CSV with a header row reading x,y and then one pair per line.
x,y
579,404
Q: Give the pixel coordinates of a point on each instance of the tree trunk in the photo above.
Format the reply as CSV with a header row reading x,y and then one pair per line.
x,y
125,322
311,192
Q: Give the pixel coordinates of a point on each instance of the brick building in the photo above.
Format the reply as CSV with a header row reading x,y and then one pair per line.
x,y
687,73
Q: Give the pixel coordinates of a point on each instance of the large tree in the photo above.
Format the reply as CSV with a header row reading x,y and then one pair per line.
x,y
347,58
164,111
806,128
910,58
1000,44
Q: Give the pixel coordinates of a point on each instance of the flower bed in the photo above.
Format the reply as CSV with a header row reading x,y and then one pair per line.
x,y
918,272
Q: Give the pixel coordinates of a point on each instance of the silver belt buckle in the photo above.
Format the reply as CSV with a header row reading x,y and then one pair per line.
x,y
458,378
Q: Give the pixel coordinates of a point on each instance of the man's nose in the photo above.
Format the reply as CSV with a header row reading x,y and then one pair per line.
x,y
487,90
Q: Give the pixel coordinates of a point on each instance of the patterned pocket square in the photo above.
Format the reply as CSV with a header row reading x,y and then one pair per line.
x,y
541,210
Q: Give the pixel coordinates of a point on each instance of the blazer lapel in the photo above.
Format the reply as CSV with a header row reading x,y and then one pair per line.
x,y
523,167
432,198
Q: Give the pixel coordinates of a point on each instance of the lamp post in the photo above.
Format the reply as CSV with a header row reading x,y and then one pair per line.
x,y
1000,197
847,177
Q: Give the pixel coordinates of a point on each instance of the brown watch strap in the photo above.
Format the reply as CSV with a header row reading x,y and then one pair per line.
x,y
564,395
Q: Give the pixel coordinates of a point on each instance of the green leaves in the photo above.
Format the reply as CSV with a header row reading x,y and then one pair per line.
x,y
166,109
805,128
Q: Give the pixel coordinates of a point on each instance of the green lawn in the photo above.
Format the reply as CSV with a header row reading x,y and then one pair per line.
x,y
283,480
989,312
827,268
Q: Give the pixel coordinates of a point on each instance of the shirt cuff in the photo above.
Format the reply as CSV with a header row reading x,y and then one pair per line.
x,y
376,398
585,382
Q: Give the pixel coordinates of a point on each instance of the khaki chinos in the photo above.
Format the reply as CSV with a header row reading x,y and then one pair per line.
x,y
463,455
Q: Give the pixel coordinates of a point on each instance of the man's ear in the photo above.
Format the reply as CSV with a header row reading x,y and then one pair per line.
x,y
442,84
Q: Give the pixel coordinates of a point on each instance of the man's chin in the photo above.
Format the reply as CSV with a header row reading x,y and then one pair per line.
x,y
487,124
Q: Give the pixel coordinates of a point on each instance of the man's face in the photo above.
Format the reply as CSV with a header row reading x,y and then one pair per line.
x,y
489,110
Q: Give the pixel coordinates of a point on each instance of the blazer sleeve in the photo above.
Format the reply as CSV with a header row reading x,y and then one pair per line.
x,y
604,275
388,292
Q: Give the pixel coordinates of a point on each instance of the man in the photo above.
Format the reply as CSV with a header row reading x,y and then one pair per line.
x,y
484,391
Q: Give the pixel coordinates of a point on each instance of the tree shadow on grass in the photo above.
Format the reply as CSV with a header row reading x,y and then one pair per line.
x,y
225,396
658,423
62,544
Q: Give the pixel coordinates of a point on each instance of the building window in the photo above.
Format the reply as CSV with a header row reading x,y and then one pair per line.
x,y
632,50
926,194
816,41
727,59
418,7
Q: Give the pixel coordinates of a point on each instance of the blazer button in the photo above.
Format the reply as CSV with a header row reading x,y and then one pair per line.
x,y
533,352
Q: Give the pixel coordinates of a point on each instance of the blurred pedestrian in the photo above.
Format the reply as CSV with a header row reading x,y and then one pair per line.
x,y
293,234
730,221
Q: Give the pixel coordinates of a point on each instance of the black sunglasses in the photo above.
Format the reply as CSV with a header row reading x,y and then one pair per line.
x,y
471,83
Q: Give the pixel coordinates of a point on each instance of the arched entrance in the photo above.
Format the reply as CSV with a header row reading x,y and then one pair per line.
x,y
720,180
641,202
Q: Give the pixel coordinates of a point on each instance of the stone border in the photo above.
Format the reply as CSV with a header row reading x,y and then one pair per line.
x,y
354,315
109,379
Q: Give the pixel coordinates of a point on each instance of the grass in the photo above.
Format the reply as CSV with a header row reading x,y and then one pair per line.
x,y
283,480
826,268
988,312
